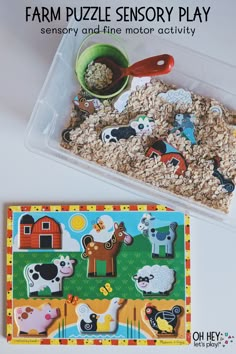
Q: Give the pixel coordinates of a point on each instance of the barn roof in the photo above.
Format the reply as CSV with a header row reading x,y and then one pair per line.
x,y
27,219
46,218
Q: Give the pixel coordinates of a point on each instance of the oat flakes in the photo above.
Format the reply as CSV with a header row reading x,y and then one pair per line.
x,y
213,134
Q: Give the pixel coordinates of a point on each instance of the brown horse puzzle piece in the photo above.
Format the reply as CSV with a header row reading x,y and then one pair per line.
x,y
105,251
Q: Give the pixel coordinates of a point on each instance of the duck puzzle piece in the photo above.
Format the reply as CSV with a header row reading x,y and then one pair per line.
x,y
168,155
91,321
157,238
141,125
162,322
39,276
105,251
227,183
153,280
29,318
179,96
89,326
184,123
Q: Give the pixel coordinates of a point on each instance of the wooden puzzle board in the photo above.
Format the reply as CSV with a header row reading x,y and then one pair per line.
x,y
98,274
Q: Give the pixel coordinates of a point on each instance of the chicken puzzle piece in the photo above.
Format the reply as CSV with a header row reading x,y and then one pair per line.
x,y
39,276
184,123
156,237
168,155
162,322
154,280
141,125
91,321
29,319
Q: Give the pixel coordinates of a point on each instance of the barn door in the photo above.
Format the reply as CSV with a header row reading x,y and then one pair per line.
x,y
45,241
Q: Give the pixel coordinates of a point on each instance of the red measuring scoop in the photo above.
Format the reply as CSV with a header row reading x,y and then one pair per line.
x,y
153,66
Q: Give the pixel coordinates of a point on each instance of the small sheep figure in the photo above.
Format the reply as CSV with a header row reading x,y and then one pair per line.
x,y
154,280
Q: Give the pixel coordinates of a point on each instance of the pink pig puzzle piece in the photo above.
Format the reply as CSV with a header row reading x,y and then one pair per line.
x,y
29,318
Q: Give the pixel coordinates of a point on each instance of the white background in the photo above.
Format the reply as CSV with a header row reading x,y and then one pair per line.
x,y
25,57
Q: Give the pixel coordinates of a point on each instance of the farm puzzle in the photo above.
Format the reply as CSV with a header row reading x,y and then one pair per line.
x,y
98,274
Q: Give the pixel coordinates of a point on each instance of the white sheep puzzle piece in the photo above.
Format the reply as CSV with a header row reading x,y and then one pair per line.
x,y
179,96
154,280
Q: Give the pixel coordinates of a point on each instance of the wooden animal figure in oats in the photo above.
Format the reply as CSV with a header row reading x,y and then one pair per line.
x,y
184,124
105,251
81,110
156,237
168,154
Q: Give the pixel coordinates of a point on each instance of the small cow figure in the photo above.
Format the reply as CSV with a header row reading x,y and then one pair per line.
x,y
29,318
39,276
141,125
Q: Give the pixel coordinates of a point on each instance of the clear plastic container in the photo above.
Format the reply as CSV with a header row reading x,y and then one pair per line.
x,y
193,71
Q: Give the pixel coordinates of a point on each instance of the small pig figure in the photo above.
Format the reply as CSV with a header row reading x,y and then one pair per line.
x,y
29,318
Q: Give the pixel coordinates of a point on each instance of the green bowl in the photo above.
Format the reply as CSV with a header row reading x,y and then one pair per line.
x,y
94,52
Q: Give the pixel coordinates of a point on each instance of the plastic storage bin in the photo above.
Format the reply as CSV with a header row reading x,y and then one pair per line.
x,y
193,71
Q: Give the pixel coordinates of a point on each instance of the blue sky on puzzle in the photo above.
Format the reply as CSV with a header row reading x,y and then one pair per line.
x,y
77,224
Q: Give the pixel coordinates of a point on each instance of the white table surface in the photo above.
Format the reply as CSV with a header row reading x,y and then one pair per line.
x,y
25,58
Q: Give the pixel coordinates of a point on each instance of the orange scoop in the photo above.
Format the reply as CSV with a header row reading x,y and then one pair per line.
x,y
153,66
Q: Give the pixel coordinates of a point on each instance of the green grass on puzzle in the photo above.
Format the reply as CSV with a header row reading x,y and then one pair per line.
x,y
129,260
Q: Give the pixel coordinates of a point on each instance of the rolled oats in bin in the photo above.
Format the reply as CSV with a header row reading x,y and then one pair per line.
x,y
98,76
204,181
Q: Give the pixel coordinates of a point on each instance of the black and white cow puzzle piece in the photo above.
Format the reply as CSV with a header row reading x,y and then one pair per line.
x,y
141,125
39,276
